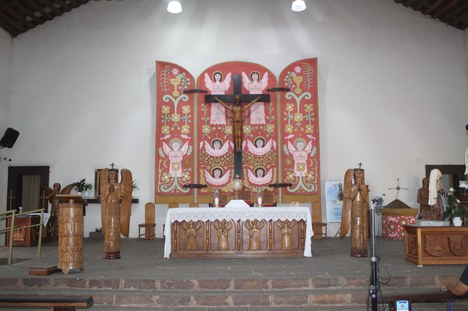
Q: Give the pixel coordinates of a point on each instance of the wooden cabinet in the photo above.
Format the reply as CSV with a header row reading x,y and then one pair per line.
x,y
25,236
426,245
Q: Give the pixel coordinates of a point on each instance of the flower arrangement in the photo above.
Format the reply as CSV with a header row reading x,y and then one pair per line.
x,y
454,207
82,185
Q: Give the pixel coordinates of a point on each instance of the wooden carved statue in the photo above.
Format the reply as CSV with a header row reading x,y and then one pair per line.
x,y
222,230
347,204
254,228
286,228
116,203
436,198
355,211
52,227
191,227
425,211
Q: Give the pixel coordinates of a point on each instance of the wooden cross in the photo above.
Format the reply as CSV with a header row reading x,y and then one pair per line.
x,y
237,98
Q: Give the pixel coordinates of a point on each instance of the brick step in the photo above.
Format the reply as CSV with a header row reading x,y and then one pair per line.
x,y
218,298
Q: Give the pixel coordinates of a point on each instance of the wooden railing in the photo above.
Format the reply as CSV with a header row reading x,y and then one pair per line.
x,y
10,228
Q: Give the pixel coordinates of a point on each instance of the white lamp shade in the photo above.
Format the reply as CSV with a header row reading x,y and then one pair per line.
x,y
174,7
298,5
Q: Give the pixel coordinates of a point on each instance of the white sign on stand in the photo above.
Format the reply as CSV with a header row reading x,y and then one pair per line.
x,y
334,200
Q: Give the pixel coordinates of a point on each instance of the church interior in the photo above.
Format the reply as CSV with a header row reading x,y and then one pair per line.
x,y
286,131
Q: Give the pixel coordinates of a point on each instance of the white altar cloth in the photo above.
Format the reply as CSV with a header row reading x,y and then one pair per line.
x,y
243,213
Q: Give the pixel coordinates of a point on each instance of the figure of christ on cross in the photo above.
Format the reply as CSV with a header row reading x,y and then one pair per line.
x,y
237,108
237,122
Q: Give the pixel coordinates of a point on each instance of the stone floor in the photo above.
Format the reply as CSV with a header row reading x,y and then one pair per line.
x,y
143,259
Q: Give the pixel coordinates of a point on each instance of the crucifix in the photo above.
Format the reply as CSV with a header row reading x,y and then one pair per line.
x,y
237,99
398,188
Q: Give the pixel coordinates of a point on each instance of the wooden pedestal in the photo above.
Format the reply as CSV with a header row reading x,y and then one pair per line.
x,y
70,243
25,236
436,245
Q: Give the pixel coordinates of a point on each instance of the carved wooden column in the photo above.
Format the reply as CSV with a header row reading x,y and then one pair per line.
x,y
70,240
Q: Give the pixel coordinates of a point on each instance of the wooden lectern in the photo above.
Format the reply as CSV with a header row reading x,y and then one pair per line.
x,y
70,240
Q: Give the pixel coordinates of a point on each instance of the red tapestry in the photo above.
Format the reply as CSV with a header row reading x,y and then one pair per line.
x,y
196,141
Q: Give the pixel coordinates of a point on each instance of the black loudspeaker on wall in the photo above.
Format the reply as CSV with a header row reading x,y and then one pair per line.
x,y
9,138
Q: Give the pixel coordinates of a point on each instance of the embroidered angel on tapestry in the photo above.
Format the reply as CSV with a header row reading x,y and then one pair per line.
x,y
259,147
217,87
217,178
216,148
300,152
257,111
175,152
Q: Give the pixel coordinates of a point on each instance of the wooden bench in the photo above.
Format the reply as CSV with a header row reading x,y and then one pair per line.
x,y
418,297
56,302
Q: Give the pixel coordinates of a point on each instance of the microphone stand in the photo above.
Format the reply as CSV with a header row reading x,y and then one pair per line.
x,y
374,286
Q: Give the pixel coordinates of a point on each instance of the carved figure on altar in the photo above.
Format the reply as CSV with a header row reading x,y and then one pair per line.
x,y
191,227
254,86
52,227
286,229
259,147
116,202
425,210
300,152
237,121
216,148
217,87
175,152
437,200
254,227
222,230
357,192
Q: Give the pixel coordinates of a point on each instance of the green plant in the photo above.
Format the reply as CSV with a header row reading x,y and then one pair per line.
x,y
454,207
98,229
134,185
82,185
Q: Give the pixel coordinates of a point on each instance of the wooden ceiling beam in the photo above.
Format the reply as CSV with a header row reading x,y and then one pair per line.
x,y
51,6
420,4
445,8
431,8
28,12
461,19
40,9
453,15
11,25
20,18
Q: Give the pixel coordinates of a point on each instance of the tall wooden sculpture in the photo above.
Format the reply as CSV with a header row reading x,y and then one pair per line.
x,y
116,203
52,227
355,211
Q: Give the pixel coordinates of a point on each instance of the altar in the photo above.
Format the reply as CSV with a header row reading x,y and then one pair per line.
x,y
436,245
282,231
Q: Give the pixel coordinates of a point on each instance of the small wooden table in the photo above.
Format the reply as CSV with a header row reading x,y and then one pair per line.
x,y
24,235
439,245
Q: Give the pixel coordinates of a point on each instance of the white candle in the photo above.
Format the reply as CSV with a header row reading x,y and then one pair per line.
x,y
216,201
259,201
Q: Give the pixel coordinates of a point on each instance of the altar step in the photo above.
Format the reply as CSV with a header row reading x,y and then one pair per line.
x,y
343,293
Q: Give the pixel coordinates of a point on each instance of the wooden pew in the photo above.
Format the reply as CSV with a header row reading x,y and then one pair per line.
x,y
412,296
56,302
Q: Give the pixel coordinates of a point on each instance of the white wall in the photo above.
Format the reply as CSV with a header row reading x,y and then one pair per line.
x,y
392,84
5,64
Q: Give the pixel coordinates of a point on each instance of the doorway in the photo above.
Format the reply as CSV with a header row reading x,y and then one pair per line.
x,y
26,187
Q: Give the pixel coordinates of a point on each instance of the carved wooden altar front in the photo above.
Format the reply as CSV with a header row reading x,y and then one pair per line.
x,y
253,232
426,245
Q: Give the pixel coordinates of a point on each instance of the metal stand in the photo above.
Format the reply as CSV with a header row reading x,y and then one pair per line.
x,y
374,286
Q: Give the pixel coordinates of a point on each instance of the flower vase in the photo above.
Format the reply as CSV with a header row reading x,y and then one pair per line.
x,y
457,221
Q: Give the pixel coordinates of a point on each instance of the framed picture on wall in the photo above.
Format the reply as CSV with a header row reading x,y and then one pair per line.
x,y
334,199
